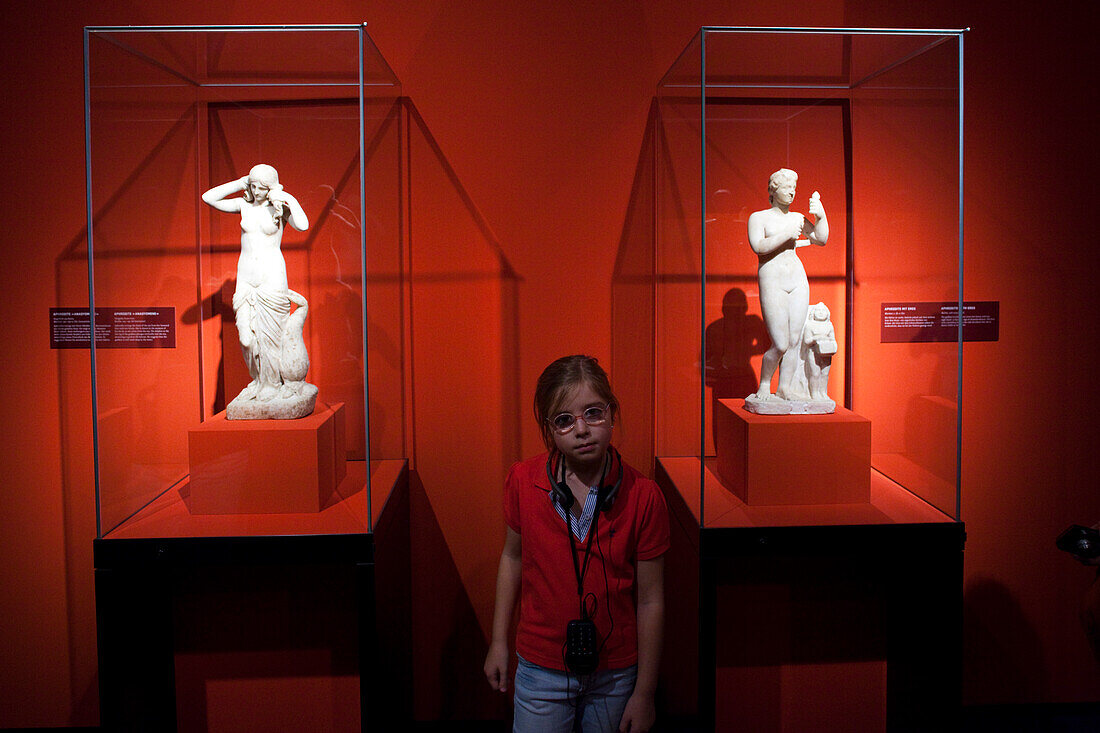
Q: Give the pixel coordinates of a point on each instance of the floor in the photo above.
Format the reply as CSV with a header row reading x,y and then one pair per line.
x,y
1066,718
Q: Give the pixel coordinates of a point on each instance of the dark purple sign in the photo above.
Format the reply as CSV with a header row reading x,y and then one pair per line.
x,y
115,328
906,323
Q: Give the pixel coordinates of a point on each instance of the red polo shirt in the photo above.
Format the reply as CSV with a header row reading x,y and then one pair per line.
x,y
636,528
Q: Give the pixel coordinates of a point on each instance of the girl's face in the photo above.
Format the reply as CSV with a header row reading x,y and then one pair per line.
x,y
585,445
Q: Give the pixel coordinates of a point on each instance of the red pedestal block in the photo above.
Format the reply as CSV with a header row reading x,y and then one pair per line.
x,y
793,459
267,466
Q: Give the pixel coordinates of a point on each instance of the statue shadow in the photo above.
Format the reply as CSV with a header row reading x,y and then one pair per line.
x,y
729,344
216,307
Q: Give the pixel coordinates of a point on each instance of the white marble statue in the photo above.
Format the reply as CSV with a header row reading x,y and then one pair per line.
x,y
270,335
774,234
818,347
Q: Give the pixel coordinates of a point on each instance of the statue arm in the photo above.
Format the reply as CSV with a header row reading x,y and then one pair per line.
x,y
764,245
216,196
819,232
298,218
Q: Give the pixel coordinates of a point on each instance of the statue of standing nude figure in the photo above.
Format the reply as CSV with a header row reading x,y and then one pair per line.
x,y
270,335
774,235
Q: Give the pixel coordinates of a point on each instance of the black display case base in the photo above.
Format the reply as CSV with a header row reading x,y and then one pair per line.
x,y
853,623
235,632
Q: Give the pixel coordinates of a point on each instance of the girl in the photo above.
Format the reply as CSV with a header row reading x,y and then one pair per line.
x,y
584,542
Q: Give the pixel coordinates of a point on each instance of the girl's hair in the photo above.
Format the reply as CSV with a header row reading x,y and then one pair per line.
x,y
558,379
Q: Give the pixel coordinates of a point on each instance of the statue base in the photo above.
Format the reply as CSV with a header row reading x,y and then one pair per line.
x,y
773,405
276,467
767,460
277,408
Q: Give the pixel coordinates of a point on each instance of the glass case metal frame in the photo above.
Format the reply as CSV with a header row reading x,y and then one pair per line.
x,y
332,76
844,76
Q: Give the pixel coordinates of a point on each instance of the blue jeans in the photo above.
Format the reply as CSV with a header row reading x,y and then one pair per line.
x,y
550,701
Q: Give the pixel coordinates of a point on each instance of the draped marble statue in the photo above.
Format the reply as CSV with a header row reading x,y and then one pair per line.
x,y
270,334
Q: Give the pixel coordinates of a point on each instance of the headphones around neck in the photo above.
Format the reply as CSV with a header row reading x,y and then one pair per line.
x,y
605,495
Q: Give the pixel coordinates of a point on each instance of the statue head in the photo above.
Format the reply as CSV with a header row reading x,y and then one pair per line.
x,y
263,175
819,312
779,178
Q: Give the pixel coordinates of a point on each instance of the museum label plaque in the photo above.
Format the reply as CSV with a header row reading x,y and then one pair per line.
x,y
115,328
921,322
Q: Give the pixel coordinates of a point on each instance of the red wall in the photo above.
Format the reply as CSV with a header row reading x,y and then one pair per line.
x,y
541,109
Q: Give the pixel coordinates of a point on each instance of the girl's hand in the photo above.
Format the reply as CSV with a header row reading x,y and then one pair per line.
x,y
639,715
496,666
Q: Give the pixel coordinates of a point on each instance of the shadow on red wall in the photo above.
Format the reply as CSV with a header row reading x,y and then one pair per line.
x,y
632,308
448,644
1011,654
467,411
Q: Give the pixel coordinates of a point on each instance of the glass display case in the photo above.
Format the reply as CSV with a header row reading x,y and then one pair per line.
x,y
171,112
871,119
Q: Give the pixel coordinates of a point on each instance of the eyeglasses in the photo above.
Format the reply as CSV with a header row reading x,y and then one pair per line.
x,y
565,421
